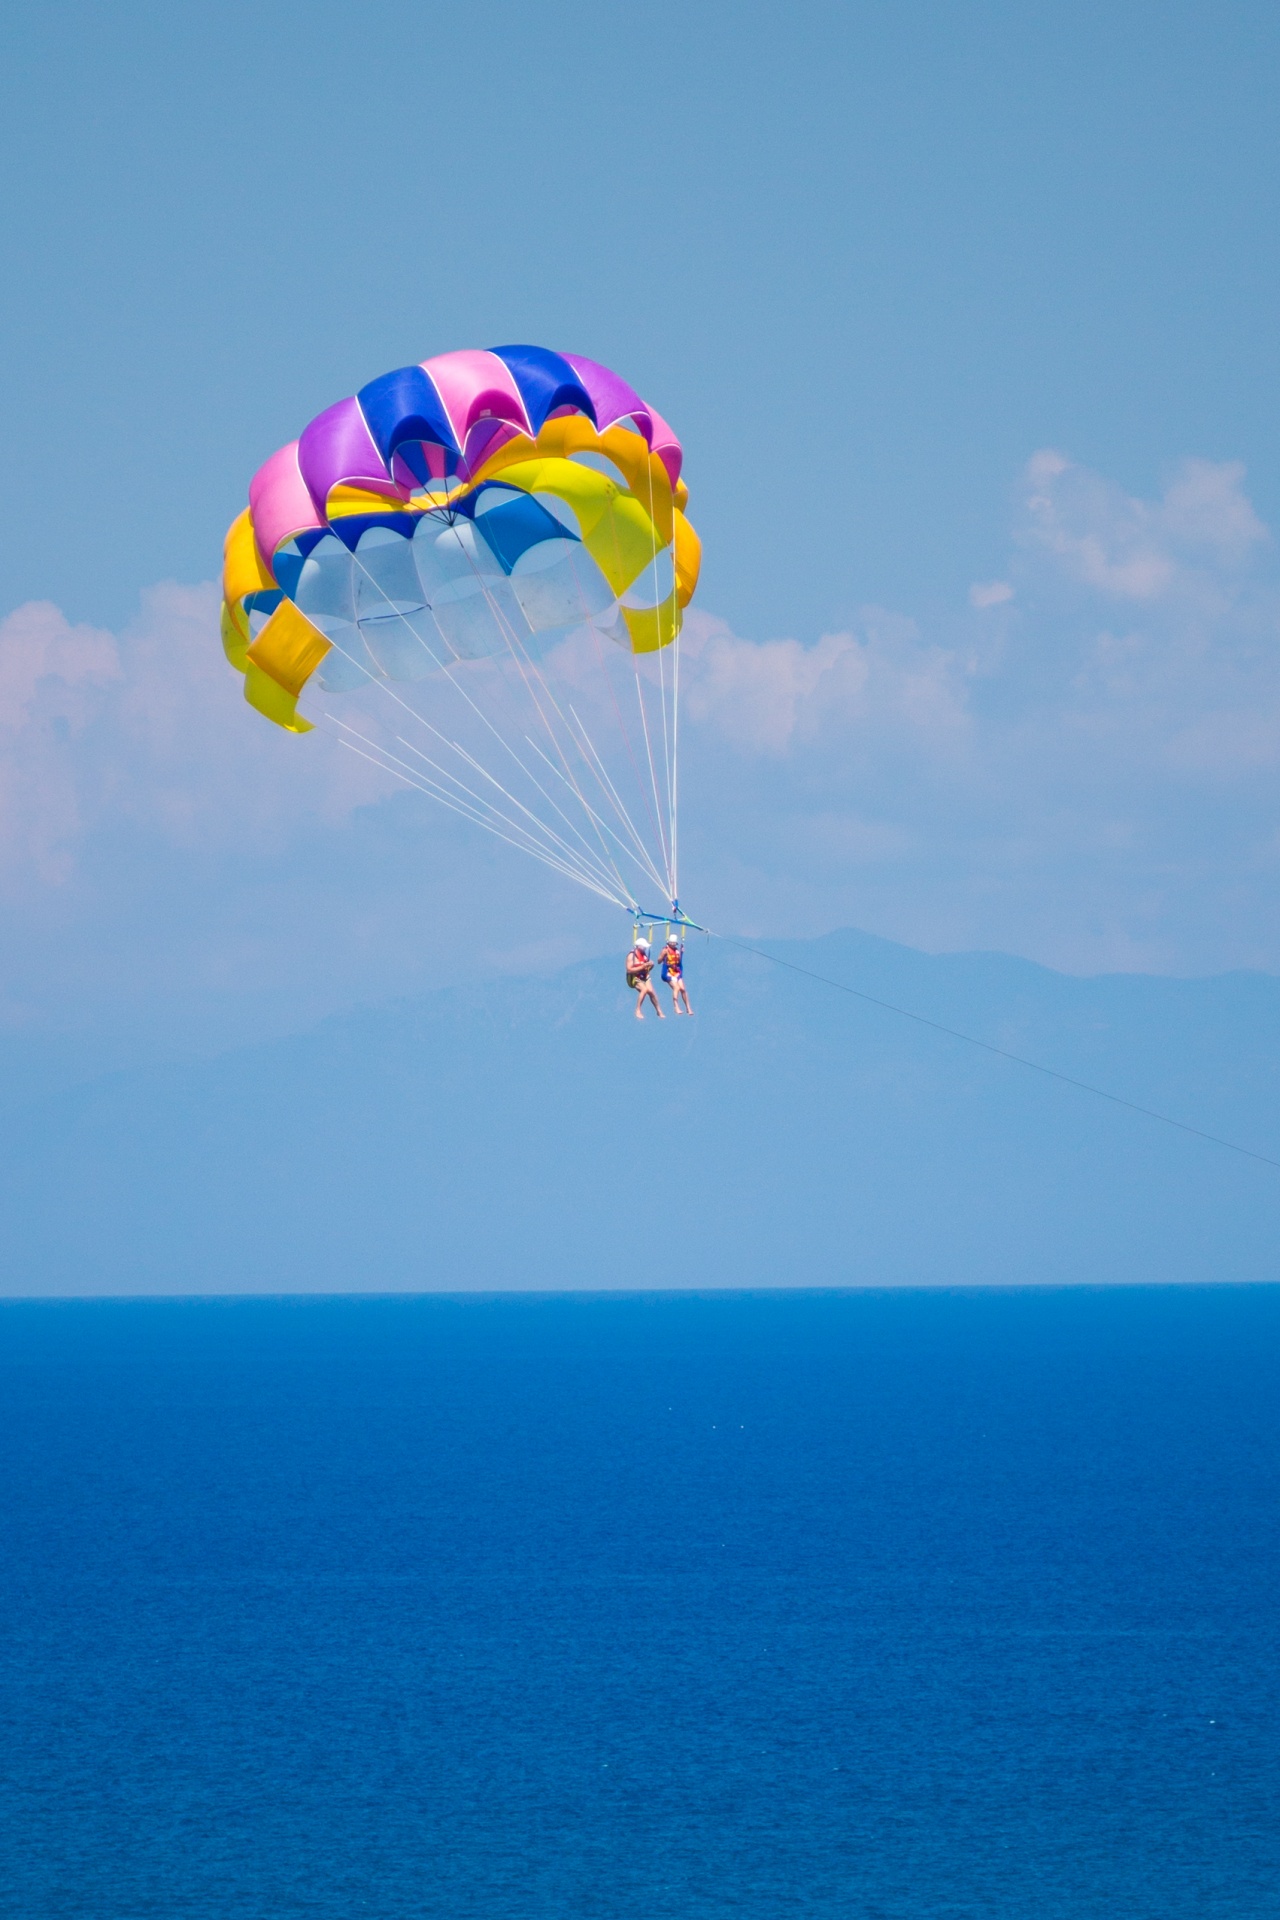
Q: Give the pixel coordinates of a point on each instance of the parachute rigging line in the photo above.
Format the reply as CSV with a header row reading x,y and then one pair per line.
x,y
987,1046
482,812
425,787
422,721
670,837
391,761
512,641
520,655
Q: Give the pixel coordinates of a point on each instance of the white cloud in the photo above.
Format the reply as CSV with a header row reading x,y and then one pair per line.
x,y
54,678
1093,783
147,727
771,696
755,695
1133,549
1205,507
990,593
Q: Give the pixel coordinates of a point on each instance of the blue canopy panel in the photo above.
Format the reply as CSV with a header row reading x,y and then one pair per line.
x,y
515,526
404,407
266,600
546,381
411,452
287,566
349,526
293,555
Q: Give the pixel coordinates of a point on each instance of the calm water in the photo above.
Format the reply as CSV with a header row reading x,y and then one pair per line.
x,y
883,1605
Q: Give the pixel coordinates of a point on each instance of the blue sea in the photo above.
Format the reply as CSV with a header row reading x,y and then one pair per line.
x,y
894,1605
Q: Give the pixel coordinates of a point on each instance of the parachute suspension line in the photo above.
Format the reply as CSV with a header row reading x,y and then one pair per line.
x,y
517,649
453,745
655,811
653,775
578,734
505,744
534,782
470,760
541,825
525,667
603,774
666,767
581,737
477,811
485,812
644,863
588,864
623,729
480,714
566,857
648,747
667,735
675,767
429,787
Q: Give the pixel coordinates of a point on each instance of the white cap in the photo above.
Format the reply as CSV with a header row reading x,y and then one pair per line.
x,y
641,941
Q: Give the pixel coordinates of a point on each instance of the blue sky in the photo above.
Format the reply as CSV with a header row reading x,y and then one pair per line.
x,y
965,316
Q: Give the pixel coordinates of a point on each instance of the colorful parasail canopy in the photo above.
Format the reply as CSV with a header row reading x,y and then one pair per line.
x,y
483,550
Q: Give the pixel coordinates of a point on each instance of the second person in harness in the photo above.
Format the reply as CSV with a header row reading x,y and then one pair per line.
x,y
672,958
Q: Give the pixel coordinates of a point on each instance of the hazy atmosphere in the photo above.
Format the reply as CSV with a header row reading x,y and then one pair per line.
x,y
965,319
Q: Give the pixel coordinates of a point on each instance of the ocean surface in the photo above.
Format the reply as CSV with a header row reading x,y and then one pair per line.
x,y
886,1604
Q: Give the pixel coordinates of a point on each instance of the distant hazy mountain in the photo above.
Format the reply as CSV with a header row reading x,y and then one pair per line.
x,y
528,1133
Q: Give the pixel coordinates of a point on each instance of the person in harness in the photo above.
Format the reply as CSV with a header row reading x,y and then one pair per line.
x,y
639,976
672,957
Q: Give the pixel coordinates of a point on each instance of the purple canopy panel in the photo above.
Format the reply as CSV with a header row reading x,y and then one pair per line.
x,y
337,449
663,442
280,502
611,397
473,383
483,440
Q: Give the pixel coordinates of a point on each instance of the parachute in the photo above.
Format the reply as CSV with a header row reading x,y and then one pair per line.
x,y
474,573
